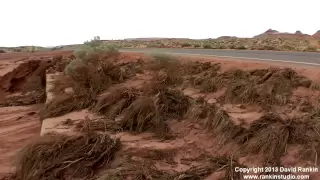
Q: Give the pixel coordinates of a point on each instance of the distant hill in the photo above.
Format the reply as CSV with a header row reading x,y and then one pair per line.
x,y
316,35
152,39
276,34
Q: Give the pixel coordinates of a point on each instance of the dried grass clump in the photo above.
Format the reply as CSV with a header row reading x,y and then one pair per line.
x,y
164,61
193,68
115,102
206,80
102,125
277,84
172,103
211,80
145,170
61,157
276,91
95,66
241,92
167,78
268,136
268,86
235,75
167,70
92,77
200,110
143,115
219,123
65,103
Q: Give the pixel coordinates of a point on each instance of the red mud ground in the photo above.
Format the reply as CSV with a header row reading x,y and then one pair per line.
x,y
20,124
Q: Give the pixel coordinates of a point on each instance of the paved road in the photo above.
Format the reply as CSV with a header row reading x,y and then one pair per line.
x,y
306,58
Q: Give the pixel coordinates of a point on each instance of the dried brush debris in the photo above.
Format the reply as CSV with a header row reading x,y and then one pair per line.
x,y
115,102
164,61
145,170
66,103
193,68
270,136
59,156
143,115
220,124
241,92
200,110
172,103
97,125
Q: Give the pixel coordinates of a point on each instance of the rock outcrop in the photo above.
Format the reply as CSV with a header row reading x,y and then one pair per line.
x,y
271,31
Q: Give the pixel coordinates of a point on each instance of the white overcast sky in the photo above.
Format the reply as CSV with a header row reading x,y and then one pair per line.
x,y
58,22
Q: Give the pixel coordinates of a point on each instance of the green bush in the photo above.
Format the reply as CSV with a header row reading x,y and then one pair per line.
x,y
197,45
92,52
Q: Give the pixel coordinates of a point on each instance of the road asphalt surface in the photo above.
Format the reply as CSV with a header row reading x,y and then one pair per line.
x,y
305,58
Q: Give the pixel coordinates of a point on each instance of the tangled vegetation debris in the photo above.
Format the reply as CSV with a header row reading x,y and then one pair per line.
x,y
59,156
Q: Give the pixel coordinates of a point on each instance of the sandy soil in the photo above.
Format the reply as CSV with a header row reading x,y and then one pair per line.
x,y
20,124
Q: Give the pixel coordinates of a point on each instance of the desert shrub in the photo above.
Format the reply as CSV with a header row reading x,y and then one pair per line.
x,y
197,45
186,45
208,85
194,68
94,68
172,103
241,47
207,46
242,92
2,51
60,156
267,47
115,102
222,46
143,115
166,69
269,86
232,46
310,49
220,124
163,60
269,136
155,45
65,103
276,85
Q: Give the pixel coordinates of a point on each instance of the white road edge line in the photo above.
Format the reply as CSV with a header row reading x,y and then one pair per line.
x,y
235,57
